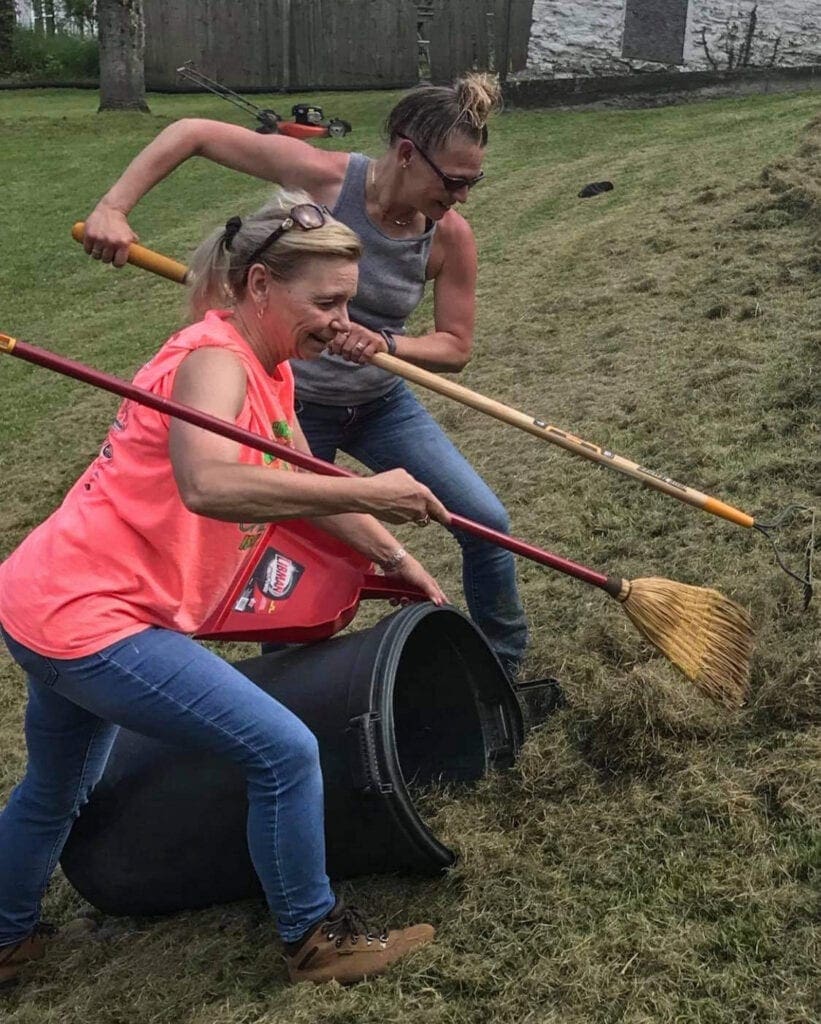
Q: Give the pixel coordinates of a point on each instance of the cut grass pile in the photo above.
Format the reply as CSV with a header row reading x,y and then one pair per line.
x,y
652,858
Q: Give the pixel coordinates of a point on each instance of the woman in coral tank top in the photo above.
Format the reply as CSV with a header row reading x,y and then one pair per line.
x,y
96,602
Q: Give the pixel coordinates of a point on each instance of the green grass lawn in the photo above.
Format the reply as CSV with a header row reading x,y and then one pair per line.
x,y
652,859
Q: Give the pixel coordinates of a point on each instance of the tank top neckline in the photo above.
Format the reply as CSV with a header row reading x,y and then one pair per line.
x,y
365,167
227,319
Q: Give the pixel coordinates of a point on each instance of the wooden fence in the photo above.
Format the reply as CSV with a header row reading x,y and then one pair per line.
x,y
289,45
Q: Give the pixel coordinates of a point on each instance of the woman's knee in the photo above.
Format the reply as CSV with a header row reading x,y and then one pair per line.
x,y
292,754
51,800
303,750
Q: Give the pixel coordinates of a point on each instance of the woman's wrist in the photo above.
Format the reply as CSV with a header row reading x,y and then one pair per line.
x,y
393,561
390,340
111,204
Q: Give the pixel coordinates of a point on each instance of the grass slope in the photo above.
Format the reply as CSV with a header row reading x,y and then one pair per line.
x,y
651,858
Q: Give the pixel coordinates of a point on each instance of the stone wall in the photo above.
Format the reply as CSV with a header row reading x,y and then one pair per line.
x,y
583,37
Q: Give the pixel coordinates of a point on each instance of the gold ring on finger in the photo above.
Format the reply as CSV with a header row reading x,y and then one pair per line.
x,y
423,520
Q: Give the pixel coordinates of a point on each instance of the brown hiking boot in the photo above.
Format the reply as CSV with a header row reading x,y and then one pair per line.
x,y
342,948
17,954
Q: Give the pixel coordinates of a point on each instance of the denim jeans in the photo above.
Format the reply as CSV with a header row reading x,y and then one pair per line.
x,y
396,431
166,686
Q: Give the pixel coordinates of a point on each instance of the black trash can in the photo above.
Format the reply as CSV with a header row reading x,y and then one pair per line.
x,y
417,699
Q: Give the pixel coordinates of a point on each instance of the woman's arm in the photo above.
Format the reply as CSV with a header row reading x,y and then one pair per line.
x,y
213,483
368,536
447,348
362,532
288,162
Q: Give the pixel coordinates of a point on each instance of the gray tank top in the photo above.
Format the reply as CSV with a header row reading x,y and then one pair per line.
x,y
391,286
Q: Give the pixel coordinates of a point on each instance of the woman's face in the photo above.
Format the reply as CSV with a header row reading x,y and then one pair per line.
x,y
302,315
459,158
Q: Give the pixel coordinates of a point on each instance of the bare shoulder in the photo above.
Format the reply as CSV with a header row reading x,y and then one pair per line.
x,y
211,378
453,229
453,242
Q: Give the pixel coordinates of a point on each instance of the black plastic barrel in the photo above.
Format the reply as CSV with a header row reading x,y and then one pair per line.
x,y
419,698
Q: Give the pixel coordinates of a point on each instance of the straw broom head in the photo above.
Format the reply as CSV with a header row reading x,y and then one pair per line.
x,y
708,636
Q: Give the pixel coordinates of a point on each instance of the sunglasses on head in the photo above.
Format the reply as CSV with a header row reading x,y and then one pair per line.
x,y
306,216
451,184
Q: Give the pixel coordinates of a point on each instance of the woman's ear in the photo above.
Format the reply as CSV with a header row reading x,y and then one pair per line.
x,y
404,152
258,283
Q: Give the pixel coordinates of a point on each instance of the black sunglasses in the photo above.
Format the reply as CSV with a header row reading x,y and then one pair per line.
x,y
307,216
451,184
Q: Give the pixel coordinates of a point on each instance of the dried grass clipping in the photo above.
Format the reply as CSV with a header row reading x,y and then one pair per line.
x,y
708,636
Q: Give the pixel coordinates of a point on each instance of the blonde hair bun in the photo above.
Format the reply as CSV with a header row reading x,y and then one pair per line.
x,y
479,95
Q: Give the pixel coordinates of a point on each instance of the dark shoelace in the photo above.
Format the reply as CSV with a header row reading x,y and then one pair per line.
x,y
351,923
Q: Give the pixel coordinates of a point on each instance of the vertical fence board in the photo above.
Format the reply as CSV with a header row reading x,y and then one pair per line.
x,y
459,38
511,30
172,36
353,44
236,42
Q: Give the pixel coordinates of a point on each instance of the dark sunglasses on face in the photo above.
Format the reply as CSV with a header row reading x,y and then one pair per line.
x,y
306,216
450,184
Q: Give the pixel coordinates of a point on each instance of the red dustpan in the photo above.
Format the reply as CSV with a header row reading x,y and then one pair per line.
x,y
299,584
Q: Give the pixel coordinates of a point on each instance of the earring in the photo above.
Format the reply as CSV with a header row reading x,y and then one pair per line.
x,y
260,312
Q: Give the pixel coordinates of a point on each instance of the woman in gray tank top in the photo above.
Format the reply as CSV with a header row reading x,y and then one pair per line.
x,y
402,205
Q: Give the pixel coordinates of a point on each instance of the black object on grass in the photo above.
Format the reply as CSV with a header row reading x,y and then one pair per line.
x,y
595,188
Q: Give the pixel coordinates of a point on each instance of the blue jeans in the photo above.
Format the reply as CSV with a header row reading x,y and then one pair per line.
x,y
396,431
166,686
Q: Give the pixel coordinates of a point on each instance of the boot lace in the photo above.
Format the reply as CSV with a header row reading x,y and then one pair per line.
x,y
351,924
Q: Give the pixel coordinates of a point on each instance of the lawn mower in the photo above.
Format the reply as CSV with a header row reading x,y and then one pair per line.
x,y
308,119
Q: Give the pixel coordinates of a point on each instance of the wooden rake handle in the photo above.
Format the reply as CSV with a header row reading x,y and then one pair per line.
x,y
561,438
153,261
145,258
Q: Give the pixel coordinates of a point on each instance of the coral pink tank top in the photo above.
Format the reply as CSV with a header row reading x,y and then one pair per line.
x,y
122,552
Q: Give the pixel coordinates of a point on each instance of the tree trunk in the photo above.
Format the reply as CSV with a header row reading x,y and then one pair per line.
x,y
122,43
48,15
7,19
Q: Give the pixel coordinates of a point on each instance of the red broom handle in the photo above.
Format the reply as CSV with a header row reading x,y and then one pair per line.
x,y
70,368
